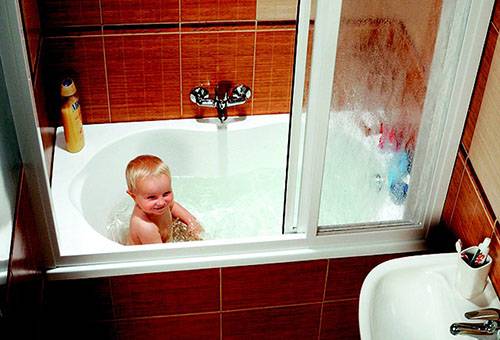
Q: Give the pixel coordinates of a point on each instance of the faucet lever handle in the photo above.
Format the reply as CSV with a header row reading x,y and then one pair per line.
x,y
484,314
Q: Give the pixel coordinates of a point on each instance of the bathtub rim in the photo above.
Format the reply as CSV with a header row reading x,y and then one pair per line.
x,y
279,249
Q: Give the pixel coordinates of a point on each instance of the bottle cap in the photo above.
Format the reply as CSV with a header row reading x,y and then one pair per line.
x,y
68,87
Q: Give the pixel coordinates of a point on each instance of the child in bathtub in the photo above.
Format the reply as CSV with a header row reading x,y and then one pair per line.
x,y
156,217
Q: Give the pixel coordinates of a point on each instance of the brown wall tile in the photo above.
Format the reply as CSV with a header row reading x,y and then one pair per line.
x,y
340,320
195,327
82,300
471,221
31,21
479,87
453,188
81,58
24,293
143,74
293,322
56,13
274,61
212,10
166,293
495,255
273,285
229,58
346,275
129,12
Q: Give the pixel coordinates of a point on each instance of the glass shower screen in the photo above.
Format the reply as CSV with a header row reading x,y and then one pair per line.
x,y
383,104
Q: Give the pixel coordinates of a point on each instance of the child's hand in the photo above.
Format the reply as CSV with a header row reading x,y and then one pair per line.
x,y
195,230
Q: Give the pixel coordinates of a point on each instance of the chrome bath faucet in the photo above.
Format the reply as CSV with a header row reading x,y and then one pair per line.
x,y
239,95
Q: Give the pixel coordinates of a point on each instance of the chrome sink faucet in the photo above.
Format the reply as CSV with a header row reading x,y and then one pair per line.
x,y
490,326
239,95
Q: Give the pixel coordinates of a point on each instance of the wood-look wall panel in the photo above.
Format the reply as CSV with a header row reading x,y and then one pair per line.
x,y
143,76
132,12
82,59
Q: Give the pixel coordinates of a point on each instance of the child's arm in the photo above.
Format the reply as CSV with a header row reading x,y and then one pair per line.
x,y
178,211
148,233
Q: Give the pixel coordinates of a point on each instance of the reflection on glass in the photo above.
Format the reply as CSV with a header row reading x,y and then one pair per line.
x,y
383,57
9,178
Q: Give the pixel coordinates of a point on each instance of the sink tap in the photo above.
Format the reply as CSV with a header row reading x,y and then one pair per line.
x,y
490,326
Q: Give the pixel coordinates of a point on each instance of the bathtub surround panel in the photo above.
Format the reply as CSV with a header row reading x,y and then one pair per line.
x,y
82,59
166,293
291,322
471,217
229,57
201,326
94,300
143,76
340,320
261,301
243,287
150,11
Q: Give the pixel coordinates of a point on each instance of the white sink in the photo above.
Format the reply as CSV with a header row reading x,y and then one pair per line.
x,y
414,298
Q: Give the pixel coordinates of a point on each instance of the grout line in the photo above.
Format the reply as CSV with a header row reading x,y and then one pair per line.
x,y
480,193
105,64
181,92
323,300
253,69
220,302
271,307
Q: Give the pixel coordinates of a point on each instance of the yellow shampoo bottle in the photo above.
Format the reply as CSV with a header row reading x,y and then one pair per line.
x,y
71,116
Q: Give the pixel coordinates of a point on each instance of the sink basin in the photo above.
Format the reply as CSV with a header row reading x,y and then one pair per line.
x,y
414,298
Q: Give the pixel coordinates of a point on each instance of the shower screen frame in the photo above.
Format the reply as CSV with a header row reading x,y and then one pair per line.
x,y
284,248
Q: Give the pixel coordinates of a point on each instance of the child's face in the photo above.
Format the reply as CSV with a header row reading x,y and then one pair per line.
x,y
154,194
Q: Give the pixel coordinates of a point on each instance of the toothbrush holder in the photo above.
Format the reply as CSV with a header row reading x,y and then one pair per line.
x,y
470,281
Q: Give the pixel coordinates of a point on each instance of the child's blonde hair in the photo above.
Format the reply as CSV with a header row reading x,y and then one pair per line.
x,y
143,166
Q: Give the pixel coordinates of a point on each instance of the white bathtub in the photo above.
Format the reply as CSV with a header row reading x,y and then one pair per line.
x,y
229,168
231,179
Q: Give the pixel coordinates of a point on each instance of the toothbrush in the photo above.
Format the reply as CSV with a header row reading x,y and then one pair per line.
x,y
481,254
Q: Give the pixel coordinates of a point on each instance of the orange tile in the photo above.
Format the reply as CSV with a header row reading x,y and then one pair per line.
x,y
293,322
170,293
471,221
144,76
217,10
275,52
131,12
209,58
273,284
453,188
82,59
55,13
479,87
